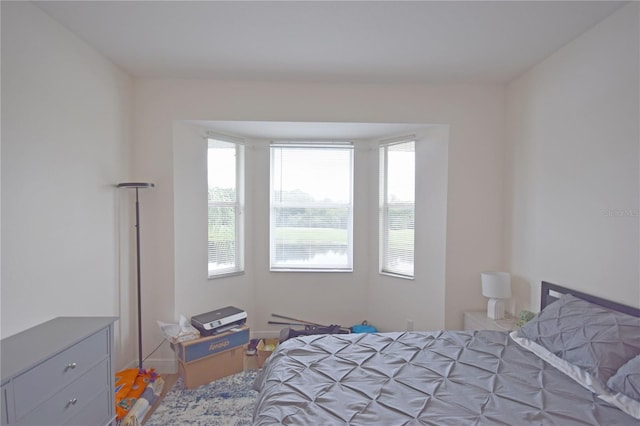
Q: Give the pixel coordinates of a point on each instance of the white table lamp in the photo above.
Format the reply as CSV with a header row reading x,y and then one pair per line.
x,y
497,287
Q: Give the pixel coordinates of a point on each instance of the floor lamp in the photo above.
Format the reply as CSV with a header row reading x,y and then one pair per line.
x,y
137,186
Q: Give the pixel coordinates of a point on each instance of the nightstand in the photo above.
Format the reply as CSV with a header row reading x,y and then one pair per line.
x,y
479,321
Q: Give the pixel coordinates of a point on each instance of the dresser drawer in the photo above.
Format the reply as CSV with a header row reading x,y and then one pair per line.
x,y
42,381
99,408
72,399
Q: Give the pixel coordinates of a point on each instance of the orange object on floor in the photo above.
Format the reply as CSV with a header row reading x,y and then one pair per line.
x,y
130,384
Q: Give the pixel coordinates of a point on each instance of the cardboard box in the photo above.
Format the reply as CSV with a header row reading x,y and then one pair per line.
x,y
206,370
263,350
203,347
210,358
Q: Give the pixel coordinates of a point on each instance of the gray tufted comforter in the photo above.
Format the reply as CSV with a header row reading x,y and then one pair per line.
x,y
421,378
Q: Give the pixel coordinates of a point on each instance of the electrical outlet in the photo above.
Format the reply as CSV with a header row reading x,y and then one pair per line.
x,y
409,324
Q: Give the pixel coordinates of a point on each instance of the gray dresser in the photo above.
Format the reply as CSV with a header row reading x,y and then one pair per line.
x,y
59,373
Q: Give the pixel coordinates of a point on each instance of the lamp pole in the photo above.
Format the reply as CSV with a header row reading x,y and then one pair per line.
x,y
137,186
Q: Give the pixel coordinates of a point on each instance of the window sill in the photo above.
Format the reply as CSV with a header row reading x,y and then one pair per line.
x,y
309,270
225,275
391,274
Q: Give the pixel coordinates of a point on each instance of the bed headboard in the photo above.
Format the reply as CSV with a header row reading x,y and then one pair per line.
x,y
551,292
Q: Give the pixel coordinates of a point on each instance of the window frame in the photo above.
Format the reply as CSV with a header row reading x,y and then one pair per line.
x,y
275,266
238,205
385,206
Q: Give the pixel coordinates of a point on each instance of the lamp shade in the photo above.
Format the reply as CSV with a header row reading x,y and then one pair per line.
x,y
135,185
496,285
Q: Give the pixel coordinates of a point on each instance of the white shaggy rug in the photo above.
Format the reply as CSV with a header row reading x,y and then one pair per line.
x,y
227,401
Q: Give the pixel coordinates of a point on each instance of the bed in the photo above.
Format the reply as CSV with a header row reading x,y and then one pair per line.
x,y
576,363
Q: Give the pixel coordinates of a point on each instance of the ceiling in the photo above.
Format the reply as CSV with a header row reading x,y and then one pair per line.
x,y
389,42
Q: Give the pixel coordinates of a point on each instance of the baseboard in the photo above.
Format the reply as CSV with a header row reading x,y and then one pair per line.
x,y
160,365
163,365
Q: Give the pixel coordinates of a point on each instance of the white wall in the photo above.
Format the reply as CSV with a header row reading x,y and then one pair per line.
x,y
66,115
474,221
572,162
194,292
320,297
394,302
574,166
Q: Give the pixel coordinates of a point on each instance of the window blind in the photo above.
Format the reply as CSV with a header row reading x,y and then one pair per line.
x,y
397,208
225,201
311,206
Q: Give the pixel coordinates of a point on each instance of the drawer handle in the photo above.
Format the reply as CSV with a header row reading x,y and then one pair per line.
x,y
72,401
71,366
